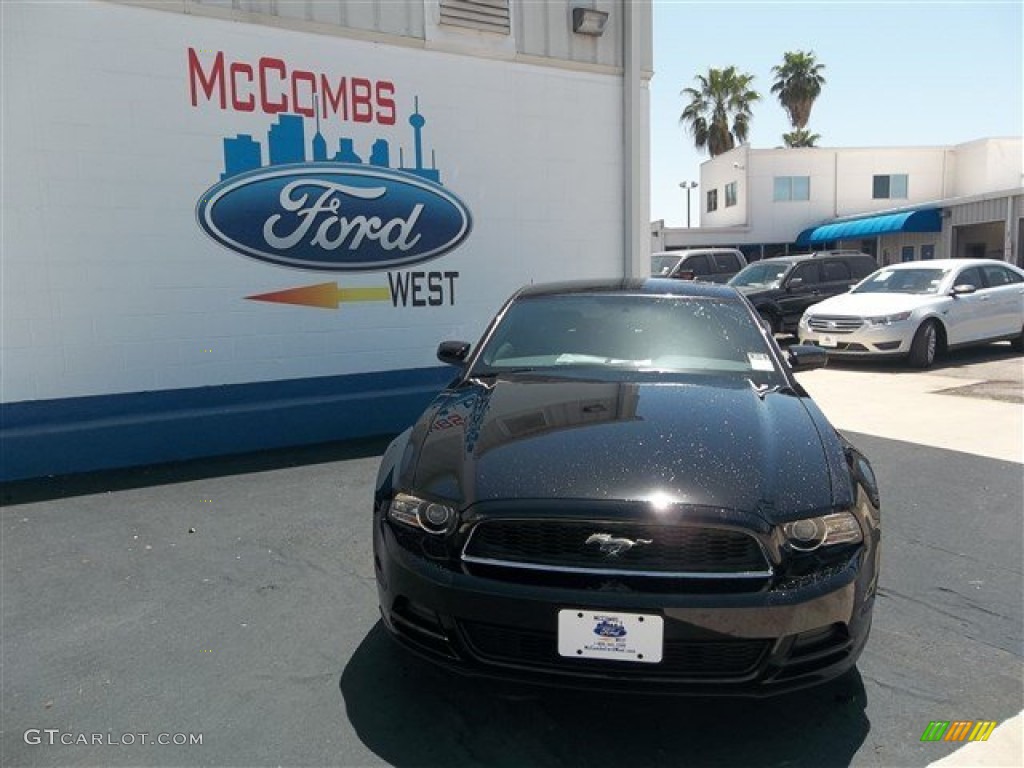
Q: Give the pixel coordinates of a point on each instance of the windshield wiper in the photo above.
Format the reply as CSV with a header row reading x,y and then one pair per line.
x,y
491,373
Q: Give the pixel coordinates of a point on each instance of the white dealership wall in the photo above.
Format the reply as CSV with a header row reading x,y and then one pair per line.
x,y
109,285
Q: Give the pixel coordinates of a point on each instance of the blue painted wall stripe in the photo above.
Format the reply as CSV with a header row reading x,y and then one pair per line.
x,y
56,437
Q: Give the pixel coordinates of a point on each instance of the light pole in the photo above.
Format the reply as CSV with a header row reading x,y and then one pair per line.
x,y
688,186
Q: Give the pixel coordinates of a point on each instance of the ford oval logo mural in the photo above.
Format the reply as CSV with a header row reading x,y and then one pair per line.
x,y
334,216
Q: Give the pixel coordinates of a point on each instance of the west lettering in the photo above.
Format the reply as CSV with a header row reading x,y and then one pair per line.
x,y
450,277
422,289
399,283
416,279
436,297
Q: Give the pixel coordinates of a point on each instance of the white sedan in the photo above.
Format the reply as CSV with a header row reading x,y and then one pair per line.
x,y
921,308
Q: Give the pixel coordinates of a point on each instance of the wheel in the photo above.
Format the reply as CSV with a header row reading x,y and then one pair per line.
x,y
1017,343
925,345
769,320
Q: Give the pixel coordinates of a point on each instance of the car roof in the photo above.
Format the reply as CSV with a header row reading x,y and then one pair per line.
x,y
684,251
794,258
631,286
947,263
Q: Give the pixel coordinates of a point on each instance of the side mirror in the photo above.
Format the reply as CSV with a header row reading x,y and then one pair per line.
x,y
796,282
453,352
804,357
684,274
963,290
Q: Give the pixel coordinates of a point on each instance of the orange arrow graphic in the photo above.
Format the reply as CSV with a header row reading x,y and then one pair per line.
x,y
324,295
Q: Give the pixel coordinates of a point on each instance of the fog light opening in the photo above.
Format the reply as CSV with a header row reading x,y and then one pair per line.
x,y
806,535
435,517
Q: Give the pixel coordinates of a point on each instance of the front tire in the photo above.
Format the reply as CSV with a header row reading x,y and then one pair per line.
x,y
1017,343
770,321
925,346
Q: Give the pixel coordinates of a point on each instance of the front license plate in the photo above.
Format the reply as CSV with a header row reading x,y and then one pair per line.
x,y
631,637
828,341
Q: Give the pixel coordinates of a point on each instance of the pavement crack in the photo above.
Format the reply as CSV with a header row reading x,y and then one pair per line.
x,y
970,603
1002,649
886,592
954,553
915,693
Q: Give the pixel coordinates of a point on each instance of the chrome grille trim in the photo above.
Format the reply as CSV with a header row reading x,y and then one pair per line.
x,y
834,324
610,571
619,572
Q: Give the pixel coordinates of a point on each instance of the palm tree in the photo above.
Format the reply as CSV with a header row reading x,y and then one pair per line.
x,y
800,138
718,115
798,84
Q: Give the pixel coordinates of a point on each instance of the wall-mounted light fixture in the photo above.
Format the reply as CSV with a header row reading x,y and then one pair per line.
x,y
589,21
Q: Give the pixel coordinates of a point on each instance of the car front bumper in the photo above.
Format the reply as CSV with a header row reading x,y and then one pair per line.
x,y
739,644
891,340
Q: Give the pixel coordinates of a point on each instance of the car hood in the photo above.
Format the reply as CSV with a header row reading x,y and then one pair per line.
x,y
715,443
872,304
753,290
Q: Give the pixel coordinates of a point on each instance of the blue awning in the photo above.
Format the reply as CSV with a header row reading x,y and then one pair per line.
x,y
928,220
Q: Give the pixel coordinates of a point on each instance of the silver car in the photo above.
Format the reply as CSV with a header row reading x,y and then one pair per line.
x,y
919,309
709,265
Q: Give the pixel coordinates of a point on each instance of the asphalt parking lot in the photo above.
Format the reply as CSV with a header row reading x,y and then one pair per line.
x,y
235,599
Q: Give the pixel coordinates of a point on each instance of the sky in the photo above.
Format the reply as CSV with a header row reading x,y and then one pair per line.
x,y
897,74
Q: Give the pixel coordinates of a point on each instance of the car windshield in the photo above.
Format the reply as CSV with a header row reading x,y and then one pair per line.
x,y
630,332
662,265
917,280
762,275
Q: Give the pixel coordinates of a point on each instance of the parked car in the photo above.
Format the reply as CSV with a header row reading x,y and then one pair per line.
x,y
625,485
710,265
920,309
782,288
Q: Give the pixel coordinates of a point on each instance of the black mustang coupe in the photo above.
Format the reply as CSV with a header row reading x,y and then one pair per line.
x,y
625,486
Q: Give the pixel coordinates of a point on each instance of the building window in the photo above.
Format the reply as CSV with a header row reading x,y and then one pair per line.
x,y
792,188
893,187
712,200
730,194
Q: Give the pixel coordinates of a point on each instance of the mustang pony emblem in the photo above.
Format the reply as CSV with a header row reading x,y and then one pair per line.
x,y
614,546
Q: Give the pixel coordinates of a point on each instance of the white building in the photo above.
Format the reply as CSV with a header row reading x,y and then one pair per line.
x,y
897,203
230,225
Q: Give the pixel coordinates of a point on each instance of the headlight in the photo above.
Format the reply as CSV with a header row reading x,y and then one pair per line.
x,y
887,319
810,533
804,321
420,513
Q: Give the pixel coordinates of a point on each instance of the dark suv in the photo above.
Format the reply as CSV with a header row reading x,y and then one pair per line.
x,y
783,287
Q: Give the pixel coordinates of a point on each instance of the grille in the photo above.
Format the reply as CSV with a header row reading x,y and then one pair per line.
x,y
562,545
680,659
825,324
